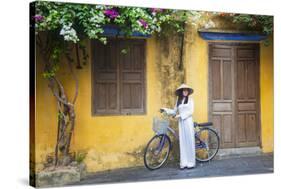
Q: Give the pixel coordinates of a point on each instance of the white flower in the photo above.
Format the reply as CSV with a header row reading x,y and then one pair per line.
x,y
100,7
62,32
69,33
97,18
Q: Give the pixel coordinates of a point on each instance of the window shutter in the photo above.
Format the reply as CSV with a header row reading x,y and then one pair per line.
x,y
132,65
118,79
105,65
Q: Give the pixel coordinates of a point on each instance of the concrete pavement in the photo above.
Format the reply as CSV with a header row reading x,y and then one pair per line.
x,y
236,165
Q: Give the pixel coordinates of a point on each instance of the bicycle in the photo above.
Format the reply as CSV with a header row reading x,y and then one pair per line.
x,y
207,143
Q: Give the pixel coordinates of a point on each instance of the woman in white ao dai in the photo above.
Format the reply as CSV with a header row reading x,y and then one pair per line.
x,y
185,107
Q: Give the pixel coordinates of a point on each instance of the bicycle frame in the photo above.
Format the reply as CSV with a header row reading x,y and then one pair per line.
x,y
201,144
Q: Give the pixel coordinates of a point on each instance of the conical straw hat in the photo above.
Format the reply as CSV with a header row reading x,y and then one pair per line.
x,y
184,86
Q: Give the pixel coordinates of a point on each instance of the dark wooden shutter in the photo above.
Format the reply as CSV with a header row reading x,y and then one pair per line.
x,y
118,77
132,77
105,65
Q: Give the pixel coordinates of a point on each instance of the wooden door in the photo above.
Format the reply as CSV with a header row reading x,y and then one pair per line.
x,y
233,93
222,99
247,96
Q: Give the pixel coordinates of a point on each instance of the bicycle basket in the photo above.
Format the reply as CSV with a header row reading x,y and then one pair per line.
x,y
160,126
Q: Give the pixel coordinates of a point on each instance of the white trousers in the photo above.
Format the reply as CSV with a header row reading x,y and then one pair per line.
x,y
187,143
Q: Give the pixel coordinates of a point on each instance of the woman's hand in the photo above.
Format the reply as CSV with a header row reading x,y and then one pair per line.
x,y
176,116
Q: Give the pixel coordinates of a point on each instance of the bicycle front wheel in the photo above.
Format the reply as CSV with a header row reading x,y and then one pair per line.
x,y
157,151
207,144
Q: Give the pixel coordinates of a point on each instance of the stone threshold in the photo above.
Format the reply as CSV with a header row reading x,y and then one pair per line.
x,y
238,152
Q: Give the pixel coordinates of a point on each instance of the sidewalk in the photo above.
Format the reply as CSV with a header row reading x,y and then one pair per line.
x,y
256,164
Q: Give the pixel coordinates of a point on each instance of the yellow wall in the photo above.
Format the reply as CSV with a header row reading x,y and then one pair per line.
x,y
111,141
266,96
197,73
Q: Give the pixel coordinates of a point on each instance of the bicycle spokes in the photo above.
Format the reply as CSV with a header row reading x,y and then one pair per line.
x,y
159,147
207,144
157,152
201,145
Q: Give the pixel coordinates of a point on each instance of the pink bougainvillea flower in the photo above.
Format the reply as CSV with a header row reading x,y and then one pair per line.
x,y
38,18
143,23
111,13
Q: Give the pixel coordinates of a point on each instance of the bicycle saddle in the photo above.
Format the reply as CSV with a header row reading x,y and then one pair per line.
x,y
203,124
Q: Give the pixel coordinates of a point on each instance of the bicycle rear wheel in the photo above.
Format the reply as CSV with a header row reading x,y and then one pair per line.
x,y
207,144
157,151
